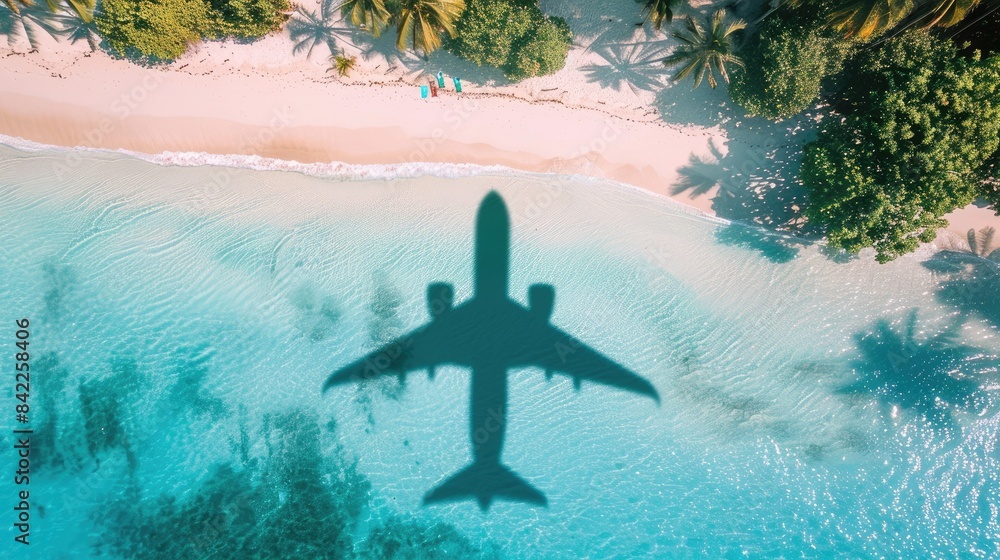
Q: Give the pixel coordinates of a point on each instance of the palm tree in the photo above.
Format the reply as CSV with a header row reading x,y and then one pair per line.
x,y
367,14
343,65
659,11
702,52
943,13
83,8
866,18
421,22
308,29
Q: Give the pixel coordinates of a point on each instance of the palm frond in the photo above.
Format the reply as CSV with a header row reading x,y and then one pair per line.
x,y
309,29
866,18
369,14
705,51
13,5
686,70
981,242
404,29
944,13
658,12
421,22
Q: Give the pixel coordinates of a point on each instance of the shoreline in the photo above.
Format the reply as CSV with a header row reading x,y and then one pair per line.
x,y
338,170
90,100
149,111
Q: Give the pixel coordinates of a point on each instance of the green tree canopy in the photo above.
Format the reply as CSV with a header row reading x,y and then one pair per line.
x,y
786,65
489,30
990,188
513,35
916,124
247,19
152,29
542,52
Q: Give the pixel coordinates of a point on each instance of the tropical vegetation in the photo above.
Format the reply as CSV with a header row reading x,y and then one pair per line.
x,y
343,65
422,24
786,64
866,19
83,8
705,51
979,30
908,99
918,126
543,52
659,12
154,30
162,30
246,19
371,15
990,188
513,35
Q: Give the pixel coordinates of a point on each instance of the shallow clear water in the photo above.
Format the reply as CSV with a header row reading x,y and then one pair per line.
x,y
184,320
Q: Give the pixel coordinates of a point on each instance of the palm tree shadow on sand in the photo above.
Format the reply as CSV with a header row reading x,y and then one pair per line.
x,y
33,23
754,184
309,29
490,335
636,65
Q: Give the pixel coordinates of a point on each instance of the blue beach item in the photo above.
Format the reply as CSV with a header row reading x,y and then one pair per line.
x,y
440,77
424,90
458,84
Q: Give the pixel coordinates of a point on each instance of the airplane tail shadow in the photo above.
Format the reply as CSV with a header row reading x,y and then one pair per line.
x,y
486,481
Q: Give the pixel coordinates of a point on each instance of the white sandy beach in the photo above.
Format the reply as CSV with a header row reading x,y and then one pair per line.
x,y
612,112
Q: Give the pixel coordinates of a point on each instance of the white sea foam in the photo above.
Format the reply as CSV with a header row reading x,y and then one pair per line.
x,y
350,171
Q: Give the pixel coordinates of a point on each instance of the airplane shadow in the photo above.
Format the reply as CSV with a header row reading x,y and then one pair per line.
x,y
491,335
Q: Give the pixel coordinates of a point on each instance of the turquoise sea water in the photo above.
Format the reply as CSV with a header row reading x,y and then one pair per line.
x,y
184,319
